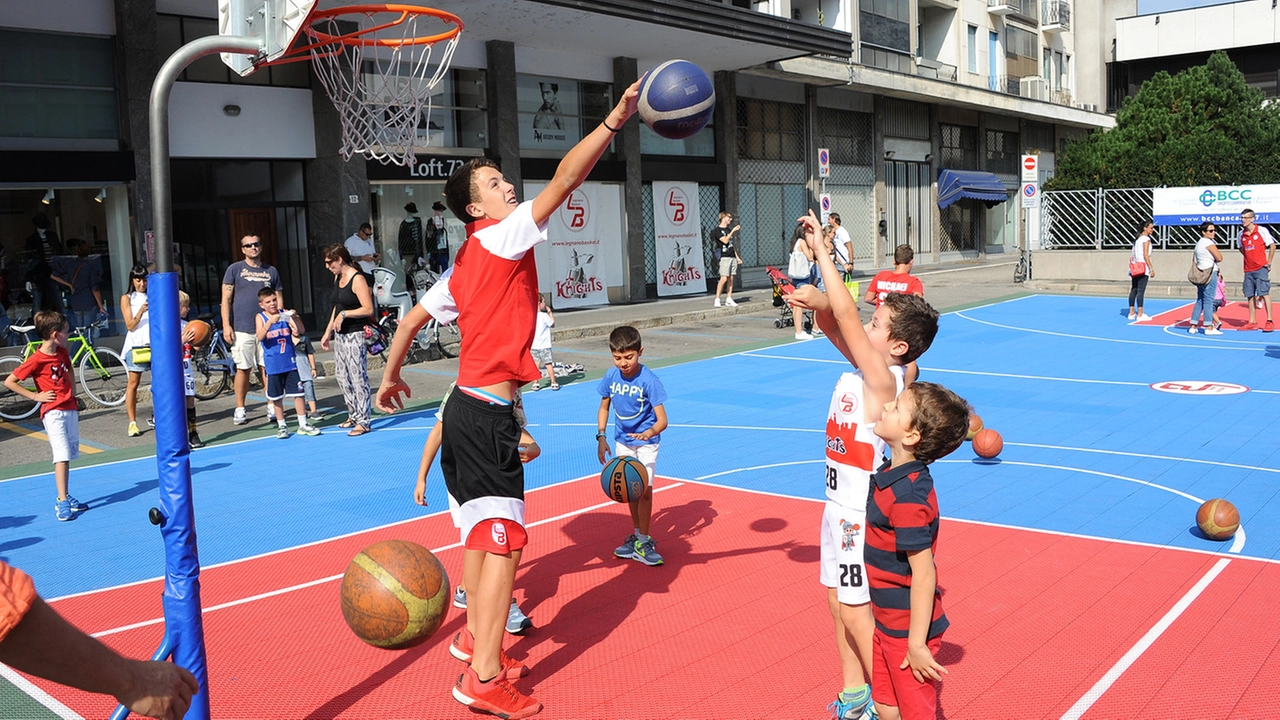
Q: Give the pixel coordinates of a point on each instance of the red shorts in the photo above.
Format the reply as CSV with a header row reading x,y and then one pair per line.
x,y
498,536
899,688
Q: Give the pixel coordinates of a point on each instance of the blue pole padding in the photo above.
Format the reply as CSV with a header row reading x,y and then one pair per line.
x,y
161,653
183,622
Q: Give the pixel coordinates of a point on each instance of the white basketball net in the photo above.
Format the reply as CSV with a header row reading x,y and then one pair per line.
x,y
383,85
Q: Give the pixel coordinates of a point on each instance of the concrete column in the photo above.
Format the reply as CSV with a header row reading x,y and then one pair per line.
x,y
504,120
726,119
812,182
137,63
935,152
877,143
627,146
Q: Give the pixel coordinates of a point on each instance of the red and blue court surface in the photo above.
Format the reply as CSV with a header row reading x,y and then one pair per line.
x,y
1075,580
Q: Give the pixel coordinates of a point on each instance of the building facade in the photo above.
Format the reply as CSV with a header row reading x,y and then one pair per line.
x,y
897,91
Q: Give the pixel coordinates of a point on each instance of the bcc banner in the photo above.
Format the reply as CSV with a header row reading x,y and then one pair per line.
x,y
1216,203
677,239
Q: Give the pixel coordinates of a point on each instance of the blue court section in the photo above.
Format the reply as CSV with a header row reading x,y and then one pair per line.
x,y
1090,447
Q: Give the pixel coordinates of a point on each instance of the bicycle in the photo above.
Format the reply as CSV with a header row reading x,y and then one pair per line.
x,y
102,372
211,364
439,340
1022,271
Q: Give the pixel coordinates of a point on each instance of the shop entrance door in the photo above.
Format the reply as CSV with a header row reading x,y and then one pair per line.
x,y
908,206
254,221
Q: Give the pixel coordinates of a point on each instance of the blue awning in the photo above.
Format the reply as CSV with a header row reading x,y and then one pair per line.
x,y
956,184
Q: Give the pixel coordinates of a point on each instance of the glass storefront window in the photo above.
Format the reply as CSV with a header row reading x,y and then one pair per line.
x,y
555,113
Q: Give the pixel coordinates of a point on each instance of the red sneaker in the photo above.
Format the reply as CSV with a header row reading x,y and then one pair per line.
x,y
496,697
1268,327
1249,326
464,644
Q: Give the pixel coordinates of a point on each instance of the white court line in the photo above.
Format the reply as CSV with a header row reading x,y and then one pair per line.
x,y
331,578
1124,663
37,694
1215,463
1196,346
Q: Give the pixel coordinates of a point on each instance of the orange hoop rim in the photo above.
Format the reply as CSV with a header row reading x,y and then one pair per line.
x,y
356,38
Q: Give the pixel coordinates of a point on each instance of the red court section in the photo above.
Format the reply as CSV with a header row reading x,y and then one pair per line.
x,y
734,625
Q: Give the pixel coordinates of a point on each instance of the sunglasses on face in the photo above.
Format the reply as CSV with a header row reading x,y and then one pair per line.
x,y
251,245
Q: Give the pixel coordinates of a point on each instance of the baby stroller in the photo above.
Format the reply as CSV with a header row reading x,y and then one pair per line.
x,y
781,286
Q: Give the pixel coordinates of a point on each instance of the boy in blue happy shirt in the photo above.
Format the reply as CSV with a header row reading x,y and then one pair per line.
x,y
637,397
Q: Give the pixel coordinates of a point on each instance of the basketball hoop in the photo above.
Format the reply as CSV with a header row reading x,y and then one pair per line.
x,y
376,64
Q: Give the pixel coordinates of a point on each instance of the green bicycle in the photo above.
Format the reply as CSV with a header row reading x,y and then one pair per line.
x,y
102,373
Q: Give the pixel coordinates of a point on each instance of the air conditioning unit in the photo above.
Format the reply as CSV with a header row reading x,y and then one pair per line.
x,y
1033,87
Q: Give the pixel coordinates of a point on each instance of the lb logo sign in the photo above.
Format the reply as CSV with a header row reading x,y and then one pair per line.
x,y
1199,387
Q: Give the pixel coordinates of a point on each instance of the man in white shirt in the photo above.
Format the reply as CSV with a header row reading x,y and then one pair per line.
x,y
843,243
360,245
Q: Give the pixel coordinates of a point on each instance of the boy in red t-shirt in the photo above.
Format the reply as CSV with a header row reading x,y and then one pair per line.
x,y
899,279
50,366
493,292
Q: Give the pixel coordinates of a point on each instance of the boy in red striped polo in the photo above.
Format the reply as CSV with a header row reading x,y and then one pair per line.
x,y
924,423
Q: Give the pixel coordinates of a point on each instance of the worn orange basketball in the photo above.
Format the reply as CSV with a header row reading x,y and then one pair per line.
x,y
394,594
1218,519
975,424
987,443
200,332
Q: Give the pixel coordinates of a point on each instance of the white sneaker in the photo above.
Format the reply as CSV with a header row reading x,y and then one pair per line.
x,y
1144,318
1133,316
1212,331
1192,330
729,302
717,302
804,336
238,417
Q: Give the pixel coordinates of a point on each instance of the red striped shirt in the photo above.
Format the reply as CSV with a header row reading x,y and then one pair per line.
x,y
902,517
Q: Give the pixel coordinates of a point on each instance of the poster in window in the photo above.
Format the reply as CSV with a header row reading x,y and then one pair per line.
x,y
677,239
548,112
577,253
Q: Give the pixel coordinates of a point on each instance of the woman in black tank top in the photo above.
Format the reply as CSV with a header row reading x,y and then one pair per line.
x,y
352,308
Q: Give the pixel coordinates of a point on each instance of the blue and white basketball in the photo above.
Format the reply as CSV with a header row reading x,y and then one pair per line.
x,y
624,479
676,99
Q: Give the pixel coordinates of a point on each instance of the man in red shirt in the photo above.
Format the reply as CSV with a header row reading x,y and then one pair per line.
x,y
899,279
1258,248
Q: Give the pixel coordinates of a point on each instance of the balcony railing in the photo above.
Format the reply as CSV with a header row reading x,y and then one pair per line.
x,y
1057,16
1026,9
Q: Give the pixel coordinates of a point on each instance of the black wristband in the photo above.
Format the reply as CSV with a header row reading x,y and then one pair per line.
x,y
605,123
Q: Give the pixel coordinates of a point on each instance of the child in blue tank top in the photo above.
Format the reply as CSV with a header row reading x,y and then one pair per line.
x,y
276,330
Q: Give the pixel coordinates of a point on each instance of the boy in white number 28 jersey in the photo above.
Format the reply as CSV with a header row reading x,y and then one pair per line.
x,y
901,329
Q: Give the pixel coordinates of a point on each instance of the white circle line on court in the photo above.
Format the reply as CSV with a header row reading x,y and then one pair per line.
x,y
1178,331
1198,346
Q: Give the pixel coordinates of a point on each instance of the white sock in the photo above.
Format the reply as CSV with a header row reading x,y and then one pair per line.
x,y
642,538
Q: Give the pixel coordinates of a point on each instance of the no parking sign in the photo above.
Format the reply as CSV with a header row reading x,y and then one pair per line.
x,y
824,162
824,200
1030,195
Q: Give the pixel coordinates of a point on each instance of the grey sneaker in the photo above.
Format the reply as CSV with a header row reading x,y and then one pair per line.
x,y
517,621
282,433
460,598
627,549
239,417
646,553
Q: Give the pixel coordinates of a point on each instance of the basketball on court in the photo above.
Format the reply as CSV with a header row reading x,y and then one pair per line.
x,y
676,99
394,594
987,443
1218,519
200,332
975,424
624,479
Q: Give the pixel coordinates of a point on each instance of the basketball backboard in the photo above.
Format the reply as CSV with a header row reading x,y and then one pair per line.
x,y
275,23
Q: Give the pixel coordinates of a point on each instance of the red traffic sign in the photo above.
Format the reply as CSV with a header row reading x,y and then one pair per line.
x,y
1029,162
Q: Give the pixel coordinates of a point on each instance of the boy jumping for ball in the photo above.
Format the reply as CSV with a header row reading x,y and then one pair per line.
x,y
637,397
495,286
900,330
925,422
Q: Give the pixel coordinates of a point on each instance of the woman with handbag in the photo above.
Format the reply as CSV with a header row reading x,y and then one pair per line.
x,y
1204,275
800,268
137,341
1140,271
352,310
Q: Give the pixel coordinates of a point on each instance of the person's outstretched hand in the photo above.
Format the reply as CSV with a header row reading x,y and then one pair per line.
x,y
159,690
389,397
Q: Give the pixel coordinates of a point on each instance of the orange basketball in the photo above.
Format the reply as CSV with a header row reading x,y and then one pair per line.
x,y
394,594
1218,519
200,332
975,424
987,443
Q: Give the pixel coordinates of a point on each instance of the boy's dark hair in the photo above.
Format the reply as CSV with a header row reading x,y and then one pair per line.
x,y
903,254
913,321
942,419
266,292
48,322
460,189
624,338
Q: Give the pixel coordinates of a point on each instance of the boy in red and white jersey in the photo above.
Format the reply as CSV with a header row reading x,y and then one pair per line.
x,y
900,331
493,288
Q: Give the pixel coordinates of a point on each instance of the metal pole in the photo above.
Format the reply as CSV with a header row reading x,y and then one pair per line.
x,y
184,628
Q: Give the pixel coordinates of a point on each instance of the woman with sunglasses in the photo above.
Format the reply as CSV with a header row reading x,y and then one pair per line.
x,y
133,305
1207,257
352,308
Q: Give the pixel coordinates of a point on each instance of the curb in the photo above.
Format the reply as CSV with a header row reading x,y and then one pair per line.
x,y
641,323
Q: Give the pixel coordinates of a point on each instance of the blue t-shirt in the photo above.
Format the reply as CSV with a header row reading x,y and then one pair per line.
x,y
633,402
277,347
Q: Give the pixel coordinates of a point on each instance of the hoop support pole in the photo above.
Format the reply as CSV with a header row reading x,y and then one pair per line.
x,y
184,628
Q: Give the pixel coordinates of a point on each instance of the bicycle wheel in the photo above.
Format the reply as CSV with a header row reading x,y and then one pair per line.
x,y
211,371
449,339
104,376
12,405
1020,270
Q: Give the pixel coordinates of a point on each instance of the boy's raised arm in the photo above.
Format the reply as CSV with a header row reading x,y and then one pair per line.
x,y
579,161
